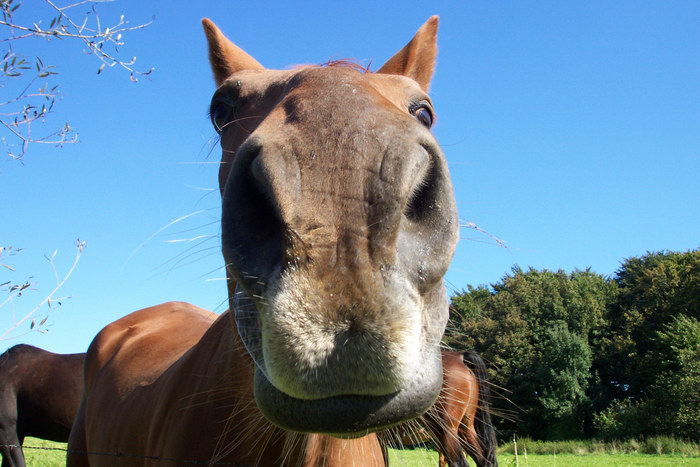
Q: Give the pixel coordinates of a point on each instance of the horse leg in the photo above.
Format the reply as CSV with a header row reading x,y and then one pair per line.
x,y
455,460
77,444
455,455
473,446
444,435
10,445
11,448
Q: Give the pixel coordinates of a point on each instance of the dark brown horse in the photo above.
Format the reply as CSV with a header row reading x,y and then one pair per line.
x,y
39,396
460,419
338,225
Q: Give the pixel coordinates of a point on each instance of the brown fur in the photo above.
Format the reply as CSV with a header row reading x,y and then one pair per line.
x,y
39,396
451,423
338,225
453,413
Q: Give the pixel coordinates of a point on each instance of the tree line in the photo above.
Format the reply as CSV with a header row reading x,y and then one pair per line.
x,y
579,354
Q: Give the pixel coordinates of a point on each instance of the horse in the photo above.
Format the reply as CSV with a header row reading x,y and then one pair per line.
x,y
338,224
460,419
39,397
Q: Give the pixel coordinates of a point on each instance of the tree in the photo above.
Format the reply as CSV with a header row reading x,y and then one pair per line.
x,y
538,329
579,353
29,81
563,372
676,389
653,290
671,401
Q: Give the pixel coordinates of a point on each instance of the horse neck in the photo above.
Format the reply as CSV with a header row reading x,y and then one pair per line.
x,y
227,371
327,451
212,386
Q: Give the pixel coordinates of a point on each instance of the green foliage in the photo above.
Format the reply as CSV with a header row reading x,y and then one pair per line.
x,y
622,420
652,290
563,371
676,389
580,354
537,329
651,360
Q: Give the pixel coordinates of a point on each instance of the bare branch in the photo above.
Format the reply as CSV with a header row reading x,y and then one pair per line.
x,y
27,106
15,291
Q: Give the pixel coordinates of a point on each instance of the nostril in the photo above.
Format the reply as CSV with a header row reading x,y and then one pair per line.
x,y
422,198
252,232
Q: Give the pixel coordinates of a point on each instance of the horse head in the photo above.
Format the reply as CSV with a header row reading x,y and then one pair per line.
x,y
338,225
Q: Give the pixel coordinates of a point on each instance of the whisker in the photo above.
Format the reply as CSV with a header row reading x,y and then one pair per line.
x,y
179,219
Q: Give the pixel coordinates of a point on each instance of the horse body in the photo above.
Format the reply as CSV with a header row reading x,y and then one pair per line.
x,y
338,225
460,419
481,434
39,396
190,401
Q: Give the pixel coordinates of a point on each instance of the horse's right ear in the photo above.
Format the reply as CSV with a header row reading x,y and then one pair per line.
x,y
225,57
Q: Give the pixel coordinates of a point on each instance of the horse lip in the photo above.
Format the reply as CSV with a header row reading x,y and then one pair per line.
x,y
347,416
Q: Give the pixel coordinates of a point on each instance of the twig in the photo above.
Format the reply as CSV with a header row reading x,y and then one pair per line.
x,y
80,246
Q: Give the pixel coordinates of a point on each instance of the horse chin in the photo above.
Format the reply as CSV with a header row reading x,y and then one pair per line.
x,y
351,416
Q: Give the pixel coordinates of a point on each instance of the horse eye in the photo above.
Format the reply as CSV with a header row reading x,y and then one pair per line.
x,y
423,115
220,114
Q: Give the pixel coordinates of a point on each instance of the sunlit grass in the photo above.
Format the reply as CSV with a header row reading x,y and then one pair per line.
x,y
41,453
412,457
596,460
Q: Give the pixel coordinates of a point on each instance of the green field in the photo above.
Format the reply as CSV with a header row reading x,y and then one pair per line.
x,y
50,454
598,460
424,457
46,455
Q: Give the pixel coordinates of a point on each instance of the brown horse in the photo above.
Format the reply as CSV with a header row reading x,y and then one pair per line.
x,y
39,396
460,419
338,225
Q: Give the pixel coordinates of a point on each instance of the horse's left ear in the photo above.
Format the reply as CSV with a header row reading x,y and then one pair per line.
x,y
417,59
226,57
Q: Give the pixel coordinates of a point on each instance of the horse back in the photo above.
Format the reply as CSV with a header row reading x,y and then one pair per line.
x,y
130,377
136,349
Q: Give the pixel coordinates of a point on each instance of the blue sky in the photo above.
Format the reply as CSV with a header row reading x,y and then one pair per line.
x,y
572,132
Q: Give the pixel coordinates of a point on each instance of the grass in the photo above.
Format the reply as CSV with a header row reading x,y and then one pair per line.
x,y
596,460
659,445
653,452
413,457
44,453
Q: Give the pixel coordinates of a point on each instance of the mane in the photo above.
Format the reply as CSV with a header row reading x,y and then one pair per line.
x,y
342,62
350,63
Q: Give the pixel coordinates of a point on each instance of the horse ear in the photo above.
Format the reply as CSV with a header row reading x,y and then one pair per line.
x,y
225,57
417,59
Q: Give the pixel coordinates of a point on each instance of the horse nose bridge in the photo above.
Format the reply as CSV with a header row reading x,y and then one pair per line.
x,y
336,194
